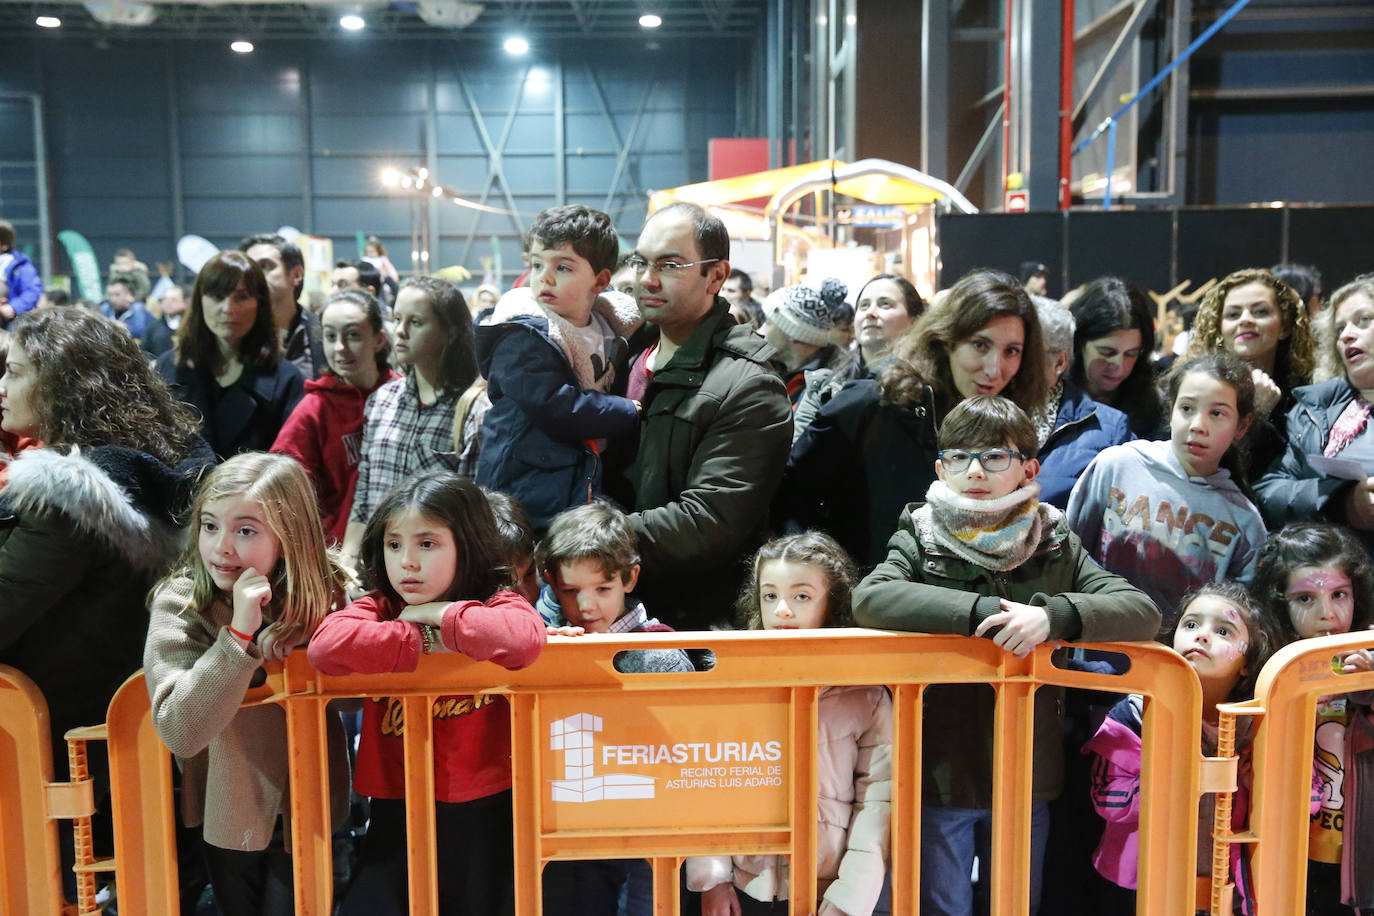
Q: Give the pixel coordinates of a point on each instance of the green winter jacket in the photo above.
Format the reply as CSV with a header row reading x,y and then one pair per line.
x,y
924,588
716,430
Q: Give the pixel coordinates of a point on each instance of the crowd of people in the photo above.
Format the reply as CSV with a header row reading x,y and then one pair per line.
x,y
613,446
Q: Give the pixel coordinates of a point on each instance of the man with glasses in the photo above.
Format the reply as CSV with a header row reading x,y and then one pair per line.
x,y
717,423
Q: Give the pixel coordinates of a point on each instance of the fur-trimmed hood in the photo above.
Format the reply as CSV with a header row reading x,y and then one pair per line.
x,y
619,310
128,500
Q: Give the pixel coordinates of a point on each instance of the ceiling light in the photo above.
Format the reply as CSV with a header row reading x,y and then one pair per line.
x,y
352,22
650,21
516,45
241,47
48,22
422,172
438,191
390,177
407,182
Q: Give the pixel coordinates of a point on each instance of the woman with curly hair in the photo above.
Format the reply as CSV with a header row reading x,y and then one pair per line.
x,y
227,362
1113,339
1259,318
871,449
90,508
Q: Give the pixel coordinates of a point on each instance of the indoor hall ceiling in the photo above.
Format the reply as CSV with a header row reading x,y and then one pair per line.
x,y
490,20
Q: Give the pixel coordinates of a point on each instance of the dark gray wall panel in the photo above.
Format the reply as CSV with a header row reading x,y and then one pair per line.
x,y
298,133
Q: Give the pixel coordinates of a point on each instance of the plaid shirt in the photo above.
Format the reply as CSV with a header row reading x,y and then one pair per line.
x,y
401,438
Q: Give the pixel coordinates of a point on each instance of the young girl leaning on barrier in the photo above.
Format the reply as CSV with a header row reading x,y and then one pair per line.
x,y
440,582
1226,638
251,587
803,582
1316,580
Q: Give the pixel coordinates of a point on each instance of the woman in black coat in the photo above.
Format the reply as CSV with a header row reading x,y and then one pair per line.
x,y
227,361
100,464
871,449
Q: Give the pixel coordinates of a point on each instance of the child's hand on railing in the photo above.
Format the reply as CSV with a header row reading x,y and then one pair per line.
x,y
1023,627
564,631
1359,660
277,640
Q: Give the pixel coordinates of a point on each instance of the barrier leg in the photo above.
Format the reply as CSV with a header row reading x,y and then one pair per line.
x,y
82,839
420,844
1014,726
30,881
141,787
526,744
666,878
803,893
1168,806
311,848
906,798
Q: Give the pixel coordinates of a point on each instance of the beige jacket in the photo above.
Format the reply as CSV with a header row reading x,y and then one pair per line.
x,y
854,782
234,760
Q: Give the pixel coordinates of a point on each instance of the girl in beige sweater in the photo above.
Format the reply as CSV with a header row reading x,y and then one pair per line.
x,y
252,586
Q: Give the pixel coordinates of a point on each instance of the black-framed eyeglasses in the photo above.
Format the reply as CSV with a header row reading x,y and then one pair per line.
x,y
664,266
957,460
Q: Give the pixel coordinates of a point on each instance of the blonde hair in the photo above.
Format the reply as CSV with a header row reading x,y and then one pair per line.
x,y
308,581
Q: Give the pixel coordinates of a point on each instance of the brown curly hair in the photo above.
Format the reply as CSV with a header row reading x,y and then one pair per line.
x,y
93,386
1296,356
921,355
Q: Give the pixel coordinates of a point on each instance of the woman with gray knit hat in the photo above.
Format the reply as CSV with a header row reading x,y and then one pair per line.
x,y
799,323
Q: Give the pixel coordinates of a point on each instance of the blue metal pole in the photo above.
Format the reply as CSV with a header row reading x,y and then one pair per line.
x,y
1111,164
1161,75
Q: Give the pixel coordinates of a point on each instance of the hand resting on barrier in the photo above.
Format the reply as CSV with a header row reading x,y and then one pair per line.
x,y
1023,627
430,614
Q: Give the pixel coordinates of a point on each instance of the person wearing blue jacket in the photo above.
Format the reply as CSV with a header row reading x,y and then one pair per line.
x,y
1071,426
23,287
549,352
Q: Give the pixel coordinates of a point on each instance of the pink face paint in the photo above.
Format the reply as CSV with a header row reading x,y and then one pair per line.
x,y
1320,600
1320,581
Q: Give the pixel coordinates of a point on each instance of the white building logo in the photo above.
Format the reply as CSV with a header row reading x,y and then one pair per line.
x,y
574,737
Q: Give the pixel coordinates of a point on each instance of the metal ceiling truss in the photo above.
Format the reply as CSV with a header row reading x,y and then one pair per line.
x,y
610,20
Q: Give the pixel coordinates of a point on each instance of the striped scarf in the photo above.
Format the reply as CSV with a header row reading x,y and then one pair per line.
x,y
997,534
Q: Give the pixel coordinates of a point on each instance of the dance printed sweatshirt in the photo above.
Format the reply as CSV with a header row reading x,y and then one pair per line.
x,y
1140,515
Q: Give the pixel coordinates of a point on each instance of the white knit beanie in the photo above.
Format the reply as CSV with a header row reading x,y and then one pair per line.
x,y
804,314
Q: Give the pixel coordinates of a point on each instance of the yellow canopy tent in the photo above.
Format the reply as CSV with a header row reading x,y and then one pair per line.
x,y
874,181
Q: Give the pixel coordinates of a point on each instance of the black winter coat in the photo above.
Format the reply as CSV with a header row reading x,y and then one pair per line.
x,y
83,536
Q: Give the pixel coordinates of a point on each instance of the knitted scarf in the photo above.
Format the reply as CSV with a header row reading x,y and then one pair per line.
x,y
996,534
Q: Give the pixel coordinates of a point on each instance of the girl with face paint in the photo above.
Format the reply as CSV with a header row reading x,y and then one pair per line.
x,y
1316,580
1226,637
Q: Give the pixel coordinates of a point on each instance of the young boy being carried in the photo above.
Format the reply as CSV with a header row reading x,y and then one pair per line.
x,y
590,558
550,352
984,557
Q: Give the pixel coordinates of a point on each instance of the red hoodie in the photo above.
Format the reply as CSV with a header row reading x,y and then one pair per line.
x,y
325,434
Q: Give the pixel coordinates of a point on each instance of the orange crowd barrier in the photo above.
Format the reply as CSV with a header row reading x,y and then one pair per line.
x,y
665,766
1284,714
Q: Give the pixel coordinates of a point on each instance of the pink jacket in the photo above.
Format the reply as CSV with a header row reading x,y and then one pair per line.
x,y
854,781
1116,796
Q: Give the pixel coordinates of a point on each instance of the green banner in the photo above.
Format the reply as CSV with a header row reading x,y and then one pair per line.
x,y
85,268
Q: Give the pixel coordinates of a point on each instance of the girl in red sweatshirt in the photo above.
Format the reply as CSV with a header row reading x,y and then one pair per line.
x,y
433,555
